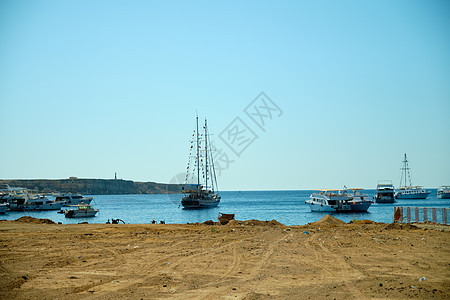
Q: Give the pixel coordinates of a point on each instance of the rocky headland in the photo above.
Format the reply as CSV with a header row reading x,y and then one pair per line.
x,y
93,186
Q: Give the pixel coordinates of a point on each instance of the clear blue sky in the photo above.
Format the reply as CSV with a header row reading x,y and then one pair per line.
x,y
90,88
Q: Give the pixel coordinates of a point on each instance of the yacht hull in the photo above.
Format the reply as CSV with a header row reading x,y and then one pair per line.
x,y
321,208
199,203
79,214
355,207
350,207
385,200
418,195
46,206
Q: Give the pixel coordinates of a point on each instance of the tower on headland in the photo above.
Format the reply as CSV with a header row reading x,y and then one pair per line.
x,y
115,176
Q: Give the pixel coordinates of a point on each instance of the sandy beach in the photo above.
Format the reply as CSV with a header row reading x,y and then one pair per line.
x,y
252,259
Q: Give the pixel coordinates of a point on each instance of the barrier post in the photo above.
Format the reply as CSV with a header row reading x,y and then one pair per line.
x,y
444,216
417,215
408,211
425,215
397,214
433,213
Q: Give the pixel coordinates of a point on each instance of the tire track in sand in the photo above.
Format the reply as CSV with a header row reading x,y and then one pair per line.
x,y
339,269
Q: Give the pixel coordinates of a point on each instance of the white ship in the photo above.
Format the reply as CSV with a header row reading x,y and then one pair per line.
x,y
80,211
335,200
409,191
40,202
73,199
385,192
443,192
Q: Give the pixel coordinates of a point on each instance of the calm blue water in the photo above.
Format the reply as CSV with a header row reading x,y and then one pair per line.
x,y
287,207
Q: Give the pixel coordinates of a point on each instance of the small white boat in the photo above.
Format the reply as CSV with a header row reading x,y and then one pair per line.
x,y
335,200
385,192
443,192
80,211
409,191
73,199
40,202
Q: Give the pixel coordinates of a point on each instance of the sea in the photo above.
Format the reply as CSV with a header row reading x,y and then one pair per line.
x,y
287,207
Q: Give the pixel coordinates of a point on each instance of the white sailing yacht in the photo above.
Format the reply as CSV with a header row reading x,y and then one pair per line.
x,y
409,192
197,193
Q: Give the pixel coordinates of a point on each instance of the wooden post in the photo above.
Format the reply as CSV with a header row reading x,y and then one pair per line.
x,y
444,216
408,211
417,215
425,215
433,213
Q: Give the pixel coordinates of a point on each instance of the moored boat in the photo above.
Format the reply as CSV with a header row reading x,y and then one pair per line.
x,y
73,199
409,191
17,197
385,192
200,194
3,207
443,192
339,200
80,211
40,202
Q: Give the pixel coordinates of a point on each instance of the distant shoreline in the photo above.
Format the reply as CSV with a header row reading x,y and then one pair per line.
x,y
93,186
116,186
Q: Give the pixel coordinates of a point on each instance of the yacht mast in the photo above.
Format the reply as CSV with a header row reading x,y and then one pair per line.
x,y
198,160
405,170
213,179
206,157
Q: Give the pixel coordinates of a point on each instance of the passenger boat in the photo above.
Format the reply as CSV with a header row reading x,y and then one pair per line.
x,y
198,194
409,192
4,192
385,192
336,200
3,207
73,199
40,202
443,192
80,211
18,197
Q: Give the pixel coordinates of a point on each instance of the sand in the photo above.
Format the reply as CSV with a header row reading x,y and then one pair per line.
x,y
241,260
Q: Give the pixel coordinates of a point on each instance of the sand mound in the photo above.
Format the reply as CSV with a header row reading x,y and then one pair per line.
x,y
209,222
255,223
401,226
233,222
329,220
360,222
34,220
